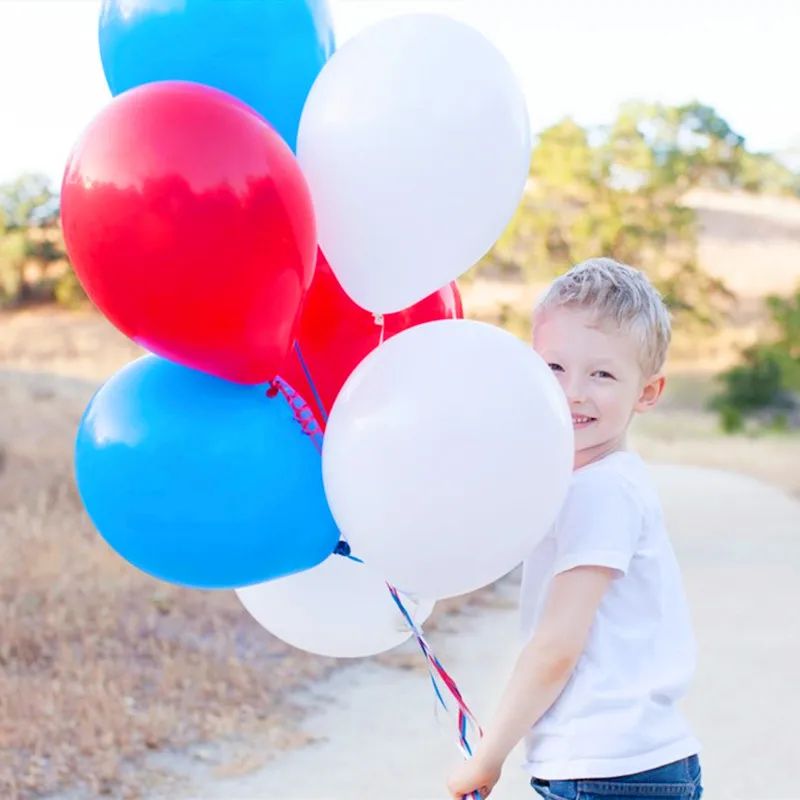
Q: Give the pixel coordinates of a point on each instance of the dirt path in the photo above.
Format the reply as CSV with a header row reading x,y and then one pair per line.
x,y
739,542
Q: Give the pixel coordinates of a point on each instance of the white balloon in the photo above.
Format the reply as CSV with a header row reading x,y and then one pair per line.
x,y
447,456
416,145
340,608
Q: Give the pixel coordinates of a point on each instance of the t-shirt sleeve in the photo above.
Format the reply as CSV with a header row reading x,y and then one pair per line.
x,y
600,524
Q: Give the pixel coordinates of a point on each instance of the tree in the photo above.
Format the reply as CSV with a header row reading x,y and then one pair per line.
x,y
26,202
693,145
763,173
766,382
30,237
617,191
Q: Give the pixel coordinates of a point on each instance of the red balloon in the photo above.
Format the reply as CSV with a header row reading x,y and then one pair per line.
x,y
191,227
336,334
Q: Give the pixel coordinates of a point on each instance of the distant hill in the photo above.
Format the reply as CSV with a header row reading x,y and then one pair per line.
x,y
751,242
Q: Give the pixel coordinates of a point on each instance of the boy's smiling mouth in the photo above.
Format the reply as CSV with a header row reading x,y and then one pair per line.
x,y
581,420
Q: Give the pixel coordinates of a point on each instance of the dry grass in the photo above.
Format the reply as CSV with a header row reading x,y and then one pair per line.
x,y
692,438
101,666
681,431
751,242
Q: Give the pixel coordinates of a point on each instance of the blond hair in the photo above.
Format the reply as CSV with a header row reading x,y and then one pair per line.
x,y
615,293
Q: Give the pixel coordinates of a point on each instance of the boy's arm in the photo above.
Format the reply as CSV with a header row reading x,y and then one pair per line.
x,y
542,670
546,663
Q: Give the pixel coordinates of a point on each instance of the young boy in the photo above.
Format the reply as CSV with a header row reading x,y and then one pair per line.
x,y
610,649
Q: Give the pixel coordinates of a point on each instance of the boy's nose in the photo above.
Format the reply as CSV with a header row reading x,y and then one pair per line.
x,y
576,392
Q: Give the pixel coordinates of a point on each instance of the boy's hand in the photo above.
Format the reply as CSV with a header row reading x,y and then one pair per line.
x,y
470,777
540,675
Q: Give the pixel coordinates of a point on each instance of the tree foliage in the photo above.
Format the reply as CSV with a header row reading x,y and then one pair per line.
x,y
619,191
31,241
765,384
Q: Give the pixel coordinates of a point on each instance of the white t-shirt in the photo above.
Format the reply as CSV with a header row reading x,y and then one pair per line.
x,y
617,714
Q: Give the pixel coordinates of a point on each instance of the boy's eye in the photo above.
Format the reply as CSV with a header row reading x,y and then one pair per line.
x,y
601,373
556,367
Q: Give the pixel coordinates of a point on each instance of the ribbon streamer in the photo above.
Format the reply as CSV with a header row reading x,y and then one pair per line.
x,y
440,678
465,719
302,413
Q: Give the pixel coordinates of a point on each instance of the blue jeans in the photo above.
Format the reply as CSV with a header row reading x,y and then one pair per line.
x,y
680,780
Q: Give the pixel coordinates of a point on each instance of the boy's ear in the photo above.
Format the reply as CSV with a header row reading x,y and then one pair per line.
x,y
651,393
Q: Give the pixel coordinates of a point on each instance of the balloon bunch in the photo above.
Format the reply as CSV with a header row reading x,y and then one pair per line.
x,y
279,223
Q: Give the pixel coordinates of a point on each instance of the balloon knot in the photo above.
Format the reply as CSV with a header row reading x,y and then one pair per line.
x,y
342,549
273,390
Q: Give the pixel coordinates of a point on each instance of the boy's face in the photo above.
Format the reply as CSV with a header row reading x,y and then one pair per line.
x,y
598,367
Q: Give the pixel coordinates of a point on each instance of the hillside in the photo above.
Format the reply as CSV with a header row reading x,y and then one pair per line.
x,y
750,242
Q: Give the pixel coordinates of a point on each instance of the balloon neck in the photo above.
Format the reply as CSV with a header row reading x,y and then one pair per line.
x,y
380,322
342,549
273,390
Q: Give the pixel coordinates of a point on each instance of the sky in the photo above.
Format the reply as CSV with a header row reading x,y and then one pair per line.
x,y
581,58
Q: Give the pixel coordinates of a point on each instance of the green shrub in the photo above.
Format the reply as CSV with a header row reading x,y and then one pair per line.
x,y
766,383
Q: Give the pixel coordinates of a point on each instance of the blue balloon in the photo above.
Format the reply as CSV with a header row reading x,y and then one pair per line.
x,y
201,482
265,52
